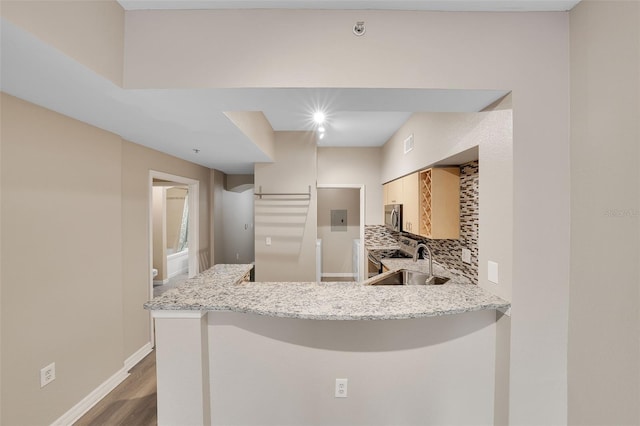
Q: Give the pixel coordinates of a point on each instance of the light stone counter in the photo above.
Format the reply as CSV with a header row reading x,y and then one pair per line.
x,y
221,288
202,334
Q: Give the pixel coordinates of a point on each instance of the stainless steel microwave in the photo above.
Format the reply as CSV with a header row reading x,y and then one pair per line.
x,y
393,217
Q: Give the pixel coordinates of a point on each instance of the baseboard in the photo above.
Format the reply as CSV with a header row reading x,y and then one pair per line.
x,y
178,272
101,391
131,362
337,275
160,282
79,410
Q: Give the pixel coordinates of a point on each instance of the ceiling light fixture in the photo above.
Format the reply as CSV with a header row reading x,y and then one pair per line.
x,y
318,117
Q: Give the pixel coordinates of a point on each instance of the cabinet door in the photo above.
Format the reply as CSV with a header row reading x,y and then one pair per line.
x,y
410,207
385,194
445,208
394,192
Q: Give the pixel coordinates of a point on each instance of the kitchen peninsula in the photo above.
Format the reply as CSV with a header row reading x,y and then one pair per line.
x,y
225,344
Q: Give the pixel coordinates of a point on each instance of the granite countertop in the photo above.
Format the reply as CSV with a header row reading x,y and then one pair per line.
x,y
221,288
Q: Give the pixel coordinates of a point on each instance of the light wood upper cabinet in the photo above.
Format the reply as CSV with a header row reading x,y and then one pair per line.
x,y
410,206
430,202
392,192
439,190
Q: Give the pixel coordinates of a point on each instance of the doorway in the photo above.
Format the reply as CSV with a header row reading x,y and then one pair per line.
x,y
185,238
340,232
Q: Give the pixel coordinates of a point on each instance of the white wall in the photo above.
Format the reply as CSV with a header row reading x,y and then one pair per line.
x,y
604,314
158,219
216,181
290,222
337,246
354,166
507,51
282,371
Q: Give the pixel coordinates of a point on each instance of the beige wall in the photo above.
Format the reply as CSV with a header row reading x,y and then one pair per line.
x,y
175,207
436,136
62,287
604,315
91,32
137,161
508,51
1,271
337,246
354,166
290,222
75,213
257,128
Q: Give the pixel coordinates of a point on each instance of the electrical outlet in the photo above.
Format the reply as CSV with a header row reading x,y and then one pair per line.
x,y
267,241
47,374
466,255
341,388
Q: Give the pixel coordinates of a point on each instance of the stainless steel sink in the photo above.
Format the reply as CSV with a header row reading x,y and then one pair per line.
x,y
409,277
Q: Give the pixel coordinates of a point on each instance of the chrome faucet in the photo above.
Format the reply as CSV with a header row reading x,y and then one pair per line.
x,y
416,254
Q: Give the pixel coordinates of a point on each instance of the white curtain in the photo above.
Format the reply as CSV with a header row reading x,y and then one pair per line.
x,y
183,243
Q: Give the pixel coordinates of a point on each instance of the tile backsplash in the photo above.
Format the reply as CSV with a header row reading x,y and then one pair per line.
x,y
379,236
446,252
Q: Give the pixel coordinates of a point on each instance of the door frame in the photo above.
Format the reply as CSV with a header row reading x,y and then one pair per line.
x,y
361,187
193,231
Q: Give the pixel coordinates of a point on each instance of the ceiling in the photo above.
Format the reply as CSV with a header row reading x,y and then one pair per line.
x,y
179,122
432,5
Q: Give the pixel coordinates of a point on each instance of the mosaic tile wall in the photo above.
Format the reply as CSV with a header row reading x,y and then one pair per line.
x,y
379,236
449,252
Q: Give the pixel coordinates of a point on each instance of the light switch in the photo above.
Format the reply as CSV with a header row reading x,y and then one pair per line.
x,y
268,241
492,272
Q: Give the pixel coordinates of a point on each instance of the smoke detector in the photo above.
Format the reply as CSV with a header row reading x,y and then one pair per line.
x,y
359,29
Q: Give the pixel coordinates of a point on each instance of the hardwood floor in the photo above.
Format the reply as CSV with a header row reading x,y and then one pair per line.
x,y
132,403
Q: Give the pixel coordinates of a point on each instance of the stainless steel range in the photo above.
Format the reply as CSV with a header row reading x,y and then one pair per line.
x,y
374,257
